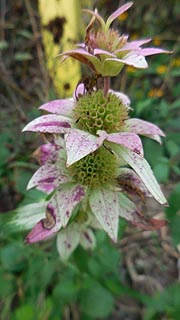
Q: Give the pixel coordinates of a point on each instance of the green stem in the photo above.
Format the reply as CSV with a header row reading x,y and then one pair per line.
x,y
106,85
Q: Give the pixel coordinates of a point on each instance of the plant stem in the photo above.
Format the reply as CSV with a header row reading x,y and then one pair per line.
x,y
106,85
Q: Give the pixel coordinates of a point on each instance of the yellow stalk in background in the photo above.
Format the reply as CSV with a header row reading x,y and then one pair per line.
x,y
60,30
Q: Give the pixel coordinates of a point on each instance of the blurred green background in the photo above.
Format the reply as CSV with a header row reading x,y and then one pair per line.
x,y
137,278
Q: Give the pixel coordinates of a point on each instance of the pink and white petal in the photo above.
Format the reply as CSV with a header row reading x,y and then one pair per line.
x,y
79,144
45,228
134,179
93,222
67,197
104,204
133,45
129,212
143,169
127,207
117,13
48,177
61,107
112,66
47,153
122,97
154,137
149,51
27,216
81,45
68,240
145,128
103,135
79,91
129,140
132,59
87,239
49,123
135,60
104,53
85,57
96,15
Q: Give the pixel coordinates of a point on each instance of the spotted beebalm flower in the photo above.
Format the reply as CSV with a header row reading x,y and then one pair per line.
x,y
93,164
84,168
95,120
90,194
105,51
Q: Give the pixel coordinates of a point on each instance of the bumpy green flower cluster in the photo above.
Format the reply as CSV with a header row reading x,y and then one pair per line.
x,y
96,111
97,169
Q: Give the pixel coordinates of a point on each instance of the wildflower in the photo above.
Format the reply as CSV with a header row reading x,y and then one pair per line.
x,y
89,194
93,164
105,51
85,168
93,119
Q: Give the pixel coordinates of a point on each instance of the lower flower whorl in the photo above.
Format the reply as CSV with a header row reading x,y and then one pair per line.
x,y
96,169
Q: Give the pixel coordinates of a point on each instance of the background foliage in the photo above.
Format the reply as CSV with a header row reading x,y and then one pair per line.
x,y
137,279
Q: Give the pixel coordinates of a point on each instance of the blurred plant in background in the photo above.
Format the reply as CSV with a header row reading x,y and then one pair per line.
x,y
121,285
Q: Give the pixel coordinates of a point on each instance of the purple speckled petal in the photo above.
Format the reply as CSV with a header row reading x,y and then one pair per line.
x,y
129,212
128,140
79,144
127,207
104,204
149,51
126,174
49,123
145,128
44,228
27,216
143,169
122,97
48,177
47,153
117,13
62,107
93,222
87,239
84,57
68,240
67,197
